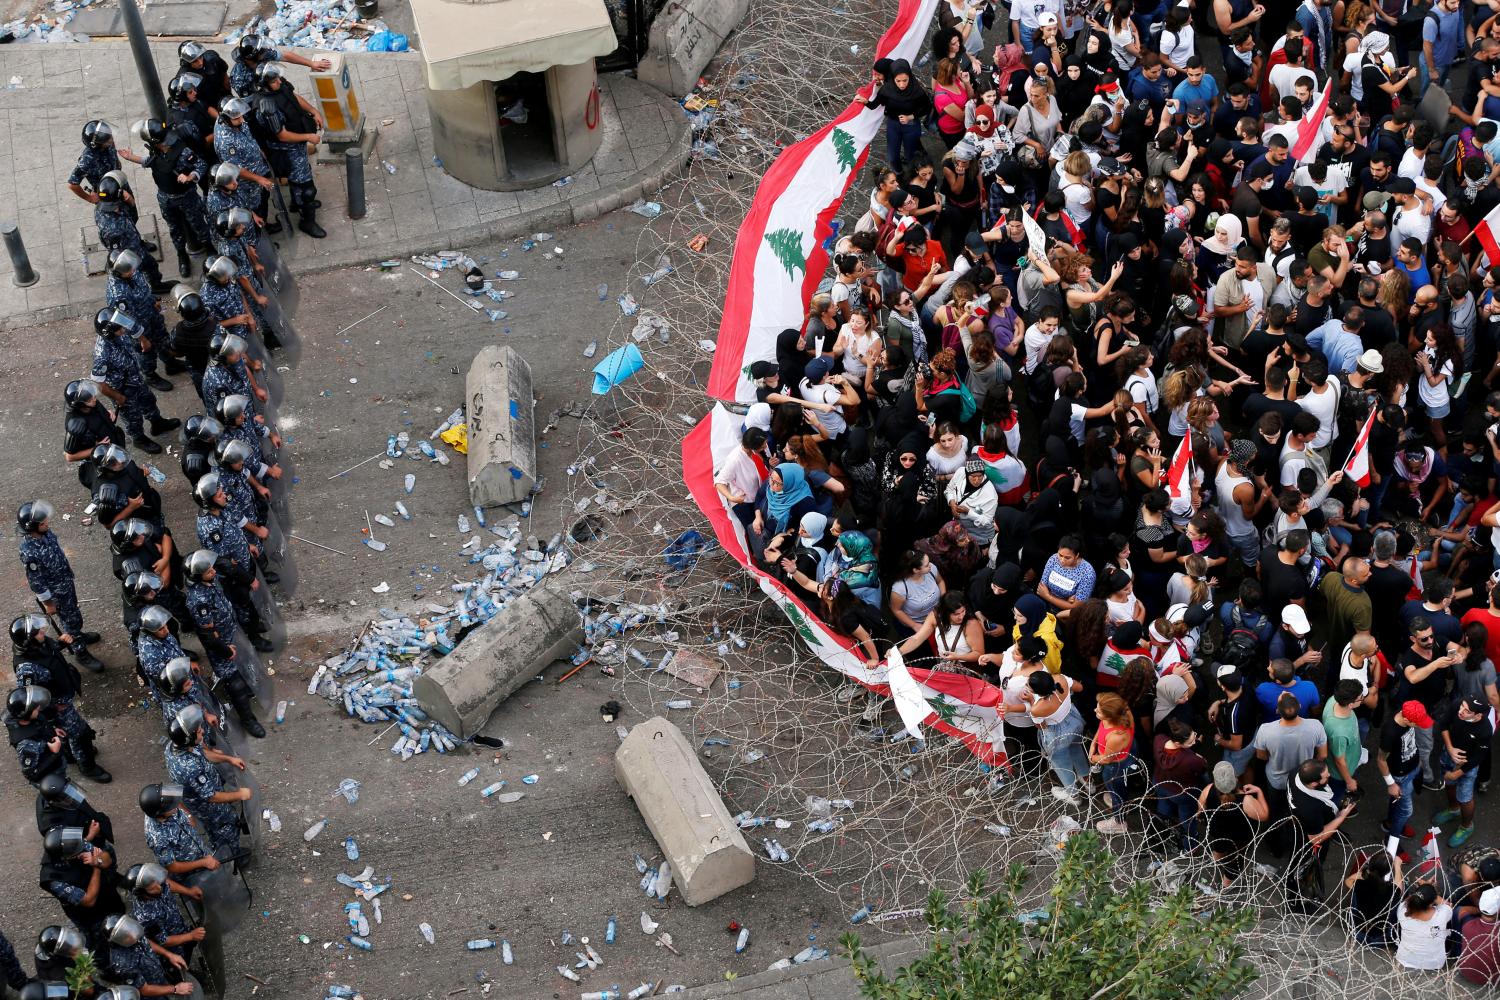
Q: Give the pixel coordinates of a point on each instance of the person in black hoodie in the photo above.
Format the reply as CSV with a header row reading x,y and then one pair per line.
x,y
906,104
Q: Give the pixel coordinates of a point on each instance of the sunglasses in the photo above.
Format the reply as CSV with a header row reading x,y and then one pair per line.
x,y
981,121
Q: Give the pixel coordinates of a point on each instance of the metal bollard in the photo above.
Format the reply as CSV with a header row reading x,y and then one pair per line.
x,y
354,167
24,273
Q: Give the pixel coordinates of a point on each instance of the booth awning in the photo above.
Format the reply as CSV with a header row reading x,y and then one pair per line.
x,y
466,43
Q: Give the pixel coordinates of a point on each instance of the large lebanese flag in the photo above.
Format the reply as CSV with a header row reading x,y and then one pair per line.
x,y
1357,467
1306,146
1485,234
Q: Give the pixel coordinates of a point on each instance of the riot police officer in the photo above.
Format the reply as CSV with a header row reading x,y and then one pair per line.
x,y
217,623
142,589
156,645
138,546
193,118
82,877
56,949
234,237
176,168
228,294
38,661
118,373
191,334
238,147
200,435
209,67
87,425
231,373
113,465
99,157
34,734
115,215
155,902
252,52
133,962
50,575
191,764
291,123
59,802
236,558
126,289
240,422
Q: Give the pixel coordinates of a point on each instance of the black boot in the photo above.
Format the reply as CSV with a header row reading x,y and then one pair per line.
x,y
147,445
184,263
87,660
261,643
162,287
174,367
309,223
163,424
155,381
89,765
272,577
248,720
89,638
273,225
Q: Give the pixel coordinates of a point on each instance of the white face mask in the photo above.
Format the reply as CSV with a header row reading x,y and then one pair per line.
x,y
1387,60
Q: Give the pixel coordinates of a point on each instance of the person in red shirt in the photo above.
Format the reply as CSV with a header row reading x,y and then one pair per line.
x,y
1490,618
1479,956
926,264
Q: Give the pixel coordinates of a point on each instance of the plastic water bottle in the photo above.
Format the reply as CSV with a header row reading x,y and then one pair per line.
x,y
411,482
860,915
603,295
360,943
508,275
157,476
643,990
280,712
273,821
351,848
609,931
680,703
479,944
505,953
492,789
479,515
401,509
593,347
463,525
426,930
390,446
469,776
314,830
609,994
742,942
568,974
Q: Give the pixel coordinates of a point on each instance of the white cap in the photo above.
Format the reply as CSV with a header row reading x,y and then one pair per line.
x,y
1295,618
1372,362
1489,901
1046,20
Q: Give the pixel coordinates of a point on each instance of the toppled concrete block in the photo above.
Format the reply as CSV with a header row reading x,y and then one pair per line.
x,y
502,428
461,690
658,768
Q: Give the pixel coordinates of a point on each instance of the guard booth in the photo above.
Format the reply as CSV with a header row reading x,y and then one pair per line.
x,y
511,87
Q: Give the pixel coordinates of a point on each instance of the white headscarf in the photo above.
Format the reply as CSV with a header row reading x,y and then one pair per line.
x,y
1227,237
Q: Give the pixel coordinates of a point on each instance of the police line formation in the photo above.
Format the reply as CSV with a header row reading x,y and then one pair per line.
x,y
156,928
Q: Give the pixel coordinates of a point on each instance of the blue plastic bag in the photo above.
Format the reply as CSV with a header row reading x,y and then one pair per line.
x,y
399,43
380,41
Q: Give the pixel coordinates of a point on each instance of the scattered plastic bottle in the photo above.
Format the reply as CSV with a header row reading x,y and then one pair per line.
x,y
568,974
680,703
812,953
530,779
390,167
742,942
273,821
505,952
426,930
463,525
593,347
609,994
360,943
479,515
603,291
640,992
469,776
646,209
314,830
351,849
609,931
411,482
479,944
507,275
280,712
628,305
401,509
157,476
998,829
372,543
751,756
860,915
349,789
492,789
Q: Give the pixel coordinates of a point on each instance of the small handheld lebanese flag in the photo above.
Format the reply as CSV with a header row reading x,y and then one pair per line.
x,y
1309,127
1179,473
1430,845
1357,468
1486,232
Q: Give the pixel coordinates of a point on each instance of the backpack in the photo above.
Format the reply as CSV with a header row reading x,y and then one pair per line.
x,y
1242,647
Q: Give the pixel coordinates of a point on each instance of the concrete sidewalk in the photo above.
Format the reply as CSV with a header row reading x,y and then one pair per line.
x,y
417,209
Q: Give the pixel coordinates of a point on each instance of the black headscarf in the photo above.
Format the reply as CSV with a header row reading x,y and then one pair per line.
x,y
791,359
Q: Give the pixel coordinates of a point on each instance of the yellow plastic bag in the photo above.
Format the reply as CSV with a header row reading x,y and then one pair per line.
x,y
457,438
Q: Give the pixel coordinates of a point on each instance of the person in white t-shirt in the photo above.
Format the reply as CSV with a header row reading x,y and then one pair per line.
x,y
1436,366
1322,402
818,386
1422,921
1040,334
1284,76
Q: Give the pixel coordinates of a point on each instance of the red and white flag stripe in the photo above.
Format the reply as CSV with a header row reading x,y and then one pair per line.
x,y
1309,127
1357,467
1485,233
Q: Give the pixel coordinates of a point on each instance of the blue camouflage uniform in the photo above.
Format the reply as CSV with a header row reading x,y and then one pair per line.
x,y
92,165
135,296
224,301
200,781
243,506
218,200
216,531
181,211
50,578
64,712
220,380
136,966
176,838
117,231
11,971
213,612
162,917
242,74
117,365
253,434
154,654
238,146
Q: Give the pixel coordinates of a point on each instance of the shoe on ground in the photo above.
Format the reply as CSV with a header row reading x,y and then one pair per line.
x,y
1432,784
1461,836
262,644
1446,816
1062,794
1482,787
311,228
94,772
1112,825
158,383
89,661
273,226
254,728
185,266
147,445
165,424
172,367
163,287
89,638
272,577
872,710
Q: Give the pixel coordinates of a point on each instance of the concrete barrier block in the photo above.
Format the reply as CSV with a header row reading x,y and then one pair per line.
x,y
684,37
502,428
463,688
657,767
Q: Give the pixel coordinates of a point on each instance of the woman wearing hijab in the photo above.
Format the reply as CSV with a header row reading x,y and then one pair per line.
x,y
783,501
906,104
1010,73
792,356
855,566
798,557
992,594
862,473
1032,619
954,554
910,507
972,501
1216,255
